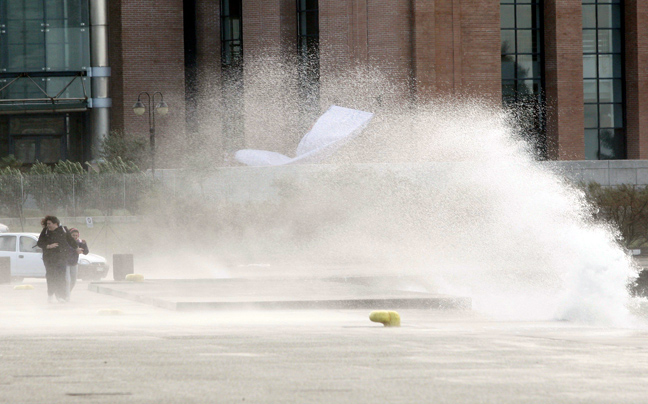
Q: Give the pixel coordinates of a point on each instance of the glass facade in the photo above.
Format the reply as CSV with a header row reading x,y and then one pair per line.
x,y
44,35
522,65
44,59
49,40
603,80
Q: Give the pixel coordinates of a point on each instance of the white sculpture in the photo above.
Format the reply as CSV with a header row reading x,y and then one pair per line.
x,y
337,126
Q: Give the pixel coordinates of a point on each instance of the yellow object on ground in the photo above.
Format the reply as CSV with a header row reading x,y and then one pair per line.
x,y
23,287
135,277
109,312
387,318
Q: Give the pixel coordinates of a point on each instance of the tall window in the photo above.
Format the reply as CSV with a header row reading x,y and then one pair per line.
x,y
308,53
522,65
232,74
603,80
231,33
308,35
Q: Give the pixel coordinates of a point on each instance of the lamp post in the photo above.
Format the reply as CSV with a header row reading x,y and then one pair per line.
x,y
161,108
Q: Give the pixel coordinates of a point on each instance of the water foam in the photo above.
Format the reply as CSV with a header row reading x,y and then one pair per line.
x,y
450,191
506,230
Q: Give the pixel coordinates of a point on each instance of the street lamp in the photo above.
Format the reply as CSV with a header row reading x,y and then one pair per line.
x,y
161,108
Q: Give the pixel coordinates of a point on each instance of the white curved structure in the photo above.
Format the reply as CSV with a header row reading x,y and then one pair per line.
x,y
337,126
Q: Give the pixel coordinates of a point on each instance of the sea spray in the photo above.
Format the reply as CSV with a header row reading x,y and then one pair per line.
x,y
446,189
506,230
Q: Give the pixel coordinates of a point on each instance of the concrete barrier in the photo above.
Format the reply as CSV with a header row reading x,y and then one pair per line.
x,y
122,265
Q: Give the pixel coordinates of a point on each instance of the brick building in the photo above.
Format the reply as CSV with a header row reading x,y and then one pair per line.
x,y
580,67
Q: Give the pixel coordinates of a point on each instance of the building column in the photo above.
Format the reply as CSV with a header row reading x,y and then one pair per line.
x,y
100,102
564,80
636,75
457,48
270,40
424,48
152,57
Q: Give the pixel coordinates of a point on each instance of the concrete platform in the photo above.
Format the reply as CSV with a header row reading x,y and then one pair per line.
x,y
282,294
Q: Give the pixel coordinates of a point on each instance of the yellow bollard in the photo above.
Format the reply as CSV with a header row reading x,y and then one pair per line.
x,y
23,287
387,318
135,277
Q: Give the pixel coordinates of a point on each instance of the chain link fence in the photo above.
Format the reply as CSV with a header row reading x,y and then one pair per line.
x,y
73,195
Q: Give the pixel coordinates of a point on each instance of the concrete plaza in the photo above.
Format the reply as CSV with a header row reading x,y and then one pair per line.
x,y
104,349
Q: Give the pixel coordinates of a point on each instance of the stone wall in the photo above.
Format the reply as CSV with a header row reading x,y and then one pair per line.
x,y
605,172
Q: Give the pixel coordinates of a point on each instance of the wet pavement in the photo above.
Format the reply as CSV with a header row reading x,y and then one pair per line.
x,y
104,349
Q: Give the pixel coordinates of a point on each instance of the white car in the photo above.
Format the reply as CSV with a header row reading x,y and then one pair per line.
x,y
27,258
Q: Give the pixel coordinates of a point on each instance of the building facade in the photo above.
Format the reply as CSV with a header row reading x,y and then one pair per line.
x,y
579,67
53,79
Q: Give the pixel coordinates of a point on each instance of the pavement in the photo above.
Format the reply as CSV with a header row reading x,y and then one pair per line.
x,y
352,292
100,348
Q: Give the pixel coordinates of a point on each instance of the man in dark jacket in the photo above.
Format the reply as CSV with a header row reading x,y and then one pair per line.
x,y
57,245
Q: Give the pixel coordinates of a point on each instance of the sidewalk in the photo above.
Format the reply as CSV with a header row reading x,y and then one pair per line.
x,y
64,353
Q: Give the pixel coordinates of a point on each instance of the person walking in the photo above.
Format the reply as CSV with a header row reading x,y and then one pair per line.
x,y
81,248
56,244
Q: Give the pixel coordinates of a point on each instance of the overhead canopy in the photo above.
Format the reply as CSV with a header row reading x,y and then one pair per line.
x,y
337,126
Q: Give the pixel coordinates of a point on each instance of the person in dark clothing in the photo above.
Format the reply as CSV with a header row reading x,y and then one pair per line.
x,y
81,248
56,244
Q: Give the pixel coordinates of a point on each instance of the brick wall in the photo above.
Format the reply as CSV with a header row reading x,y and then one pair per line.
x,y
564,79
208,37
447,46
424,48
151,53
339,43
269,34
207,134
269,27
389,40
479,52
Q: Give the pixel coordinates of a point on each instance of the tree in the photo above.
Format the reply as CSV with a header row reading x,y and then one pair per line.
x,y
624,206
127,147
